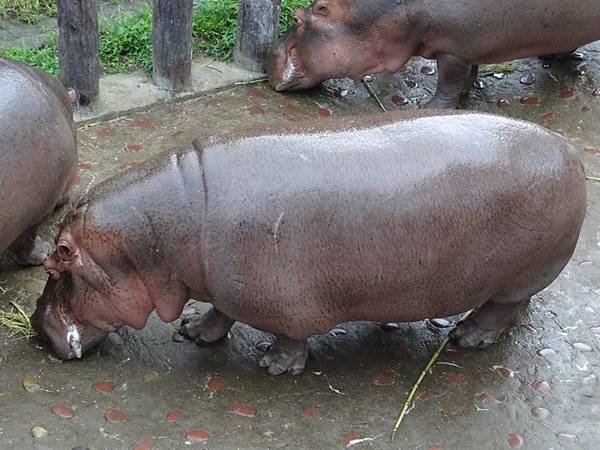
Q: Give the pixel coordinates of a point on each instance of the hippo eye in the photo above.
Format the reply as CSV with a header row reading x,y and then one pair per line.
x,y
64,252
321,8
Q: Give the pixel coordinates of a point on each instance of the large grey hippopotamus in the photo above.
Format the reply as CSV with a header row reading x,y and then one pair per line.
x,y
293,229
353,38
38,156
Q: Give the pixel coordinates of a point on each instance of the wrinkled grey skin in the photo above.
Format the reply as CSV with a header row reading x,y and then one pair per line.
x,y
38,156
294,229
353,38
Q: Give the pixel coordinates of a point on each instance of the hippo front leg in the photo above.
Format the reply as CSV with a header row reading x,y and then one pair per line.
x,y
454,75
206,328
29,249
285,355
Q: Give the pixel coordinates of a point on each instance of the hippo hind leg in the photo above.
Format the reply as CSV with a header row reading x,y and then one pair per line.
x,y
29,249
488,324
285,355
206,328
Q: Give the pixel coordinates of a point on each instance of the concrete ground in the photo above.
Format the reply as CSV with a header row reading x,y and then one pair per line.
x,y
538,389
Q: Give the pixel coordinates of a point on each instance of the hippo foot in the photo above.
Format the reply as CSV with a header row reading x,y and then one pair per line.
x,y
285,355
206,328
469,335
32,252
487,325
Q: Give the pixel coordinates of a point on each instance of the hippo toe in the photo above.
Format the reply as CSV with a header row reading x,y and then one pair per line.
x,y
285,355
206,328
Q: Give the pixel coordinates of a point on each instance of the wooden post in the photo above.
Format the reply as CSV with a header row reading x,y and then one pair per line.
x,y
78,60
172,44
257,22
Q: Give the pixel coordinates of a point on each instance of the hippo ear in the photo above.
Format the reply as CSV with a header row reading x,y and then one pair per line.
x,y
66,250
321,8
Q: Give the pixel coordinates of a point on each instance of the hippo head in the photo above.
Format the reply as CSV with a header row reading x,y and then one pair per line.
x,y
92,289
336,39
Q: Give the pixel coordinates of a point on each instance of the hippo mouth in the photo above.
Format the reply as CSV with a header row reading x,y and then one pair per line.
x,y
293,75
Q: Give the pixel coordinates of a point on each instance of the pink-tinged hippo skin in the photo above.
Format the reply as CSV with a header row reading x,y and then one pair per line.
x,y
353,38
293,229
38,157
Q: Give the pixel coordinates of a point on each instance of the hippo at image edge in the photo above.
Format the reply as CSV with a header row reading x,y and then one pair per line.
x,y
293,229
38,157
354,38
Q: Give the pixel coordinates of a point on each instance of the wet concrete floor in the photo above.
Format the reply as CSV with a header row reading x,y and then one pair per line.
x,y
538,389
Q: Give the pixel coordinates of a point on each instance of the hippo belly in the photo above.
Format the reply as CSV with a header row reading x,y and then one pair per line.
x,y
38,155
399,222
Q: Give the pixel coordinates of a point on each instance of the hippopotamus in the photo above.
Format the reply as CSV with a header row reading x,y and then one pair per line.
x,y
295,228
353,38
38,157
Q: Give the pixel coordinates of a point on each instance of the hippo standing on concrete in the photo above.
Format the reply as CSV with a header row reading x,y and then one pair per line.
x,y
353,38
38,157
294,229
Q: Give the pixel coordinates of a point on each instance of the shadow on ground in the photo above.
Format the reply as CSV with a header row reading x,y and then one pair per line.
x,y
538,389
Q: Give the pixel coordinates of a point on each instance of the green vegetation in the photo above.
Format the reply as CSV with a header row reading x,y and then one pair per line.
x,y
28,11
126,39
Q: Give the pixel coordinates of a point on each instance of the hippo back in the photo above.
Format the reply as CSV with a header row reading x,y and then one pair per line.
x,y
37,147
377,206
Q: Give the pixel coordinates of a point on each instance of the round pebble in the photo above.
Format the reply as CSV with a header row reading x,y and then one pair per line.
x,y
368,78
398,100
383,379
309,413
146,444
391,326
566,95
173,416
582,347
539,412
541,386
197,435
216,384
547,352
243,410
38,432
256,111
530,101
115,416
103,386
478,83
515,441
502,103
352,436
566,436
30,385
62,411
324,112
498,75
505,373
574,128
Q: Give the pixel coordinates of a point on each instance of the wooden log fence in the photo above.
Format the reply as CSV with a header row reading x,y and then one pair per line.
x,y
172,42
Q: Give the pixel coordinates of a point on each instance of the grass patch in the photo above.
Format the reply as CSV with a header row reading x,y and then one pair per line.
x,y
28,11
126,39
17,321
44,57
126,42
